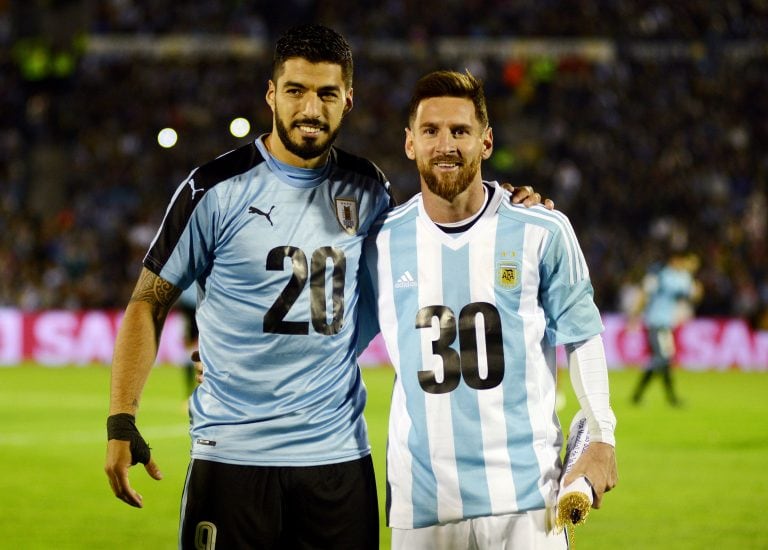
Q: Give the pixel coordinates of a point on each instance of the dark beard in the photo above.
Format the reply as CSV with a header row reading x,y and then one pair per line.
x,y
449,187
307,149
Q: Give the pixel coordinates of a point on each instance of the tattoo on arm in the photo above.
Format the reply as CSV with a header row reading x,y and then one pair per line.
x,y
156,291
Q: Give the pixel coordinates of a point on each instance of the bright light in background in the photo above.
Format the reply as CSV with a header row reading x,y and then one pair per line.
x,y
239,127
167,137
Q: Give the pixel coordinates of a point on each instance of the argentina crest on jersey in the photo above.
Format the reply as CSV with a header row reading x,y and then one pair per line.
x,y
507,274
346,213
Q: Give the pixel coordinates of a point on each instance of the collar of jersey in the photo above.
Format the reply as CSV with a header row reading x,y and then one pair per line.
x,y
293,175
463,225
454,241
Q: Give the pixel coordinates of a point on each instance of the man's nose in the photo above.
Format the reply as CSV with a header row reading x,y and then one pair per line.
x,y
312,105
446,142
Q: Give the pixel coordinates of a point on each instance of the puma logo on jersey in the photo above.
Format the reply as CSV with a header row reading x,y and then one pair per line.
x,y
254,210
194,191
406,280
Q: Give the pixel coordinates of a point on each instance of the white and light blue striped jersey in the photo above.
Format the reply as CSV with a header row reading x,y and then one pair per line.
x,y
471,321
275,251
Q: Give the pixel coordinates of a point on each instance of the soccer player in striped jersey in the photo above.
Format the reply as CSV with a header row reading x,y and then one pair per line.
x,y
473,295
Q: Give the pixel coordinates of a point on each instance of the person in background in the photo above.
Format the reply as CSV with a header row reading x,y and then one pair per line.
x,y
668,297
186,305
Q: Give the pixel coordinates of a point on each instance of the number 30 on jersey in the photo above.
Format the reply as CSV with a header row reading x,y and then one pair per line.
x,y
464,363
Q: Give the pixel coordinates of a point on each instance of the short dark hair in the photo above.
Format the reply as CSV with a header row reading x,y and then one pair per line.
x,y
316,44
449,84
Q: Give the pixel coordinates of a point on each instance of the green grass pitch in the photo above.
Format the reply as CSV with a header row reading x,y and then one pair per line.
x,y
690,478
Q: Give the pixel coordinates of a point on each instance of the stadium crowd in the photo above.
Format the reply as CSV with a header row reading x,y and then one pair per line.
x,y
653,147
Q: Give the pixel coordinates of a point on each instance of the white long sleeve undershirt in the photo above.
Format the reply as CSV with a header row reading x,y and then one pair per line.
x,y
589,377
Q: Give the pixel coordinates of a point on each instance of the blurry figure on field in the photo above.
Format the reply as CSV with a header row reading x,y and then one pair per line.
x,y
669,294
186,305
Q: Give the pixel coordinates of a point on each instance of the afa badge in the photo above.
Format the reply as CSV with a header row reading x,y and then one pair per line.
x,y
507,275
346,213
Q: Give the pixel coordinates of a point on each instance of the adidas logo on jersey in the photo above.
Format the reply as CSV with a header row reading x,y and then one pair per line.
x,y
406,280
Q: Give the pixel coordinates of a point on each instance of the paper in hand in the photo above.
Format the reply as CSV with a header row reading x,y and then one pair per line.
x,y
575,499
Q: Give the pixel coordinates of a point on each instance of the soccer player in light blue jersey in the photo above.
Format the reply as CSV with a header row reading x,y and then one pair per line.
x,y
473,296
668,296
271,234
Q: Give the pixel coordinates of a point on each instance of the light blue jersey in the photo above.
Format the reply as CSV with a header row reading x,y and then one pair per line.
x,y
275,251
471,321
666,290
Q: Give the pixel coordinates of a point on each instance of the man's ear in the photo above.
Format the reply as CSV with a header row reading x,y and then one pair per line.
x,y
270,95
409,144
487,143
349,102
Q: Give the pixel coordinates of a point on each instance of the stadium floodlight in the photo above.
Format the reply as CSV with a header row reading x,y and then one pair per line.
x,y
239,127
167,138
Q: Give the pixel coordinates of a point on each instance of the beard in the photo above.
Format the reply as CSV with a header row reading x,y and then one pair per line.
x,y
448,186
307,148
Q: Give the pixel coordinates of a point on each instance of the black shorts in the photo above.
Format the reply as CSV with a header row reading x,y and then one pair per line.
x,y
228,506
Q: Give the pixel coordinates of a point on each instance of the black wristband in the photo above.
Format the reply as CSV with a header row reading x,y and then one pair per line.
x,y
122,427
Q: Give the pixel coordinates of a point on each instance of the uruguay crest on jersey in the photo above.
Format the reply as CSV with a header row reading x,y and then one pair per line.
x,y
346,213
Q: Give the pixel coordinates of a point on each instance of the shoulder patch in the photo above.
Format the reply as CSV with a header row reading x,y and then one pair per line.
x,y
363,166
228,165
189,194
360,165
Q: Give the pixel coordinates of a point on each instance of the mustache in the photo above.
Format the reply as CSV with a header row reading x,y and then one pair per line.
x,y
311,122
448,158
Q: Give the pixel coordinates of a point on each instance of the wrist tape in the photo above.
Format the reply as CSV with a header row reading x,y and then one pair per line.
x,y
122,427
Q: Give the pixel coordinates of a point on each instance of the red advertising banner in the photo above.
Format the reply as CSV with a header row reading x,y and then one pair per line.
x,y
57,338
74,337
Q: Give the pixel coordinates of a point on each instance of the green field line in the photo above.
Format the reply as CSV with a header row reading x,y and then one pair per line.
x,y
81,437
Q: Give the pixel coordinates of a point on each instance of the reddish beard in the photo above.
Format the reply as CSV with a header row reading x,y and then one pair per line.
x,y
448,185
